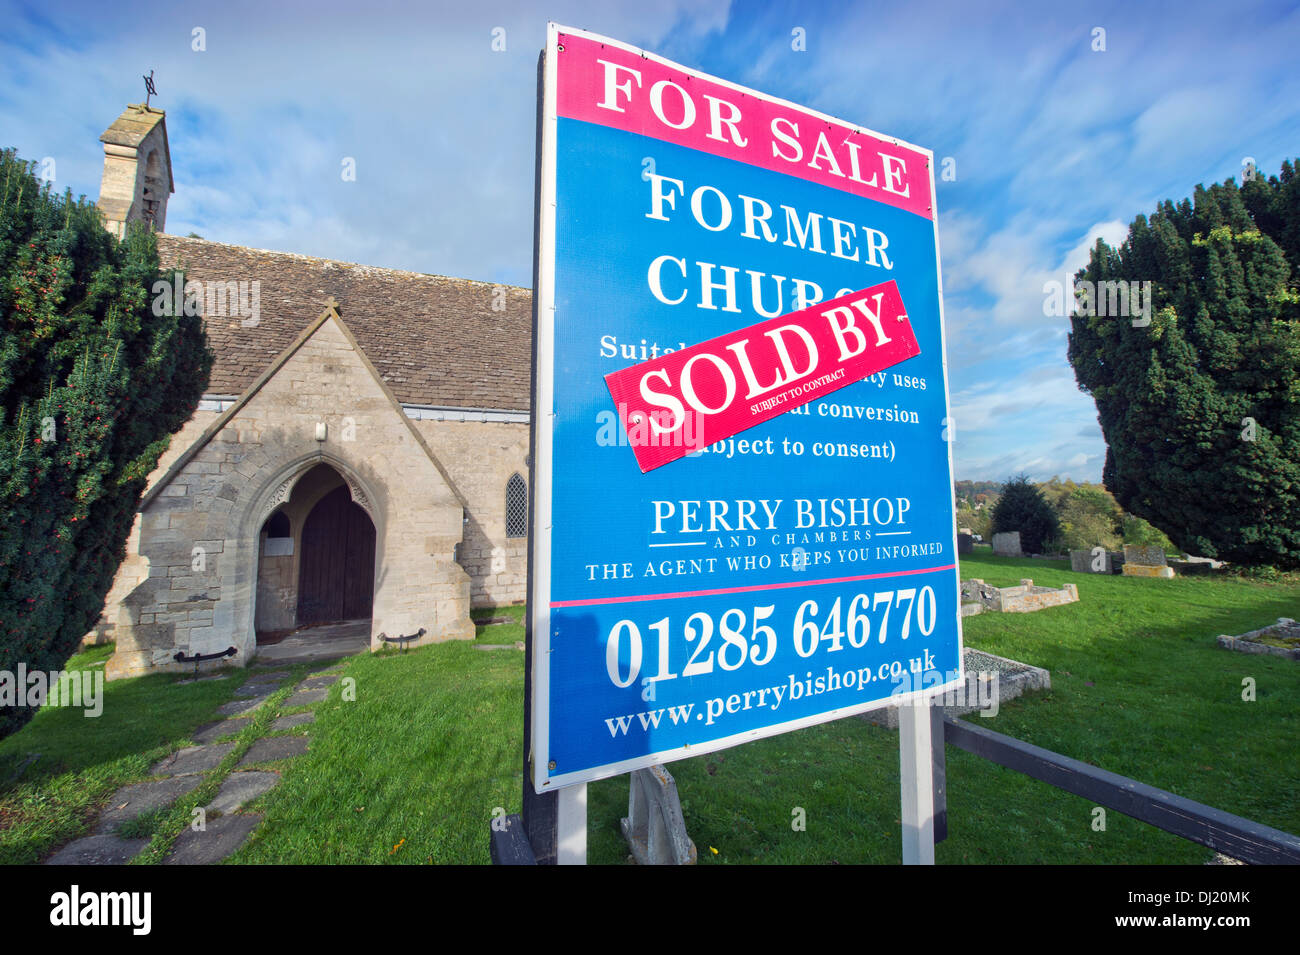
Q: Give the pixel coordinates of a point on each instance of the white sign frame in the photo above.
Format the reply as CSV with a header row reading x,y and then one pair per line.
x,y
539,590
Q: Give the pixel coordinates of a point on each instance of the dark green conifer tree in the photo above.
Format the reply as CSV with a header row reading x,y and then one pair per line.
x,y
1201,408
92,384
1022,507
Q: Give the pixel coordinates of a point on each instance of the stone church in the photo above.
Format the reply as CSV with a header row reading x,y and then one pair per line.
x,y
359,455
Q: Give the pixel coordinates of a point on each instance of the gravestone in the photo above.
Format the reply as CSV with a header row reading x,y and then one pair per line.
x,y
1007,544
965,544
1141,561
1091,562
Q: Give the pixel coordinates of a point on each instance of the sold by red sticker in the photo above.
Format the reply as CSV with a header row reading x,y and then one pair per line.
x,y
686,400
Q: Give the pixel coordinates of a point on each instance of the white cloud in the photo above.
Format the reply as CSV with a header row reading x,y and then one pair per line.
x,y
1048,137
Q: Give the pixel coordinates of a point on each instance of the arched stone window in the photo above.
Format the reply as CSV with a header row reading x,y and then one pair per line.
x,y
516,507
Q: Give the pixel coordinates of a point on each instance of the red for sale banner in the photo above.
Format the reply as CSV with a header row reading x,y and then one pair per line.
x,y
686,400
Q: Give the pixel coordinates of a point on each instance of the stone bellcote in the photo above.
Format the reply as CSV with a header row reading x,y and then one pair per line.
x,y
137,170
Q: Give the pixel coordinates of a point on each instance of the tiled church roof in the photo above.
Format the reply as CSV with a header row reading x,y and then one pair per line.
x,y
434,340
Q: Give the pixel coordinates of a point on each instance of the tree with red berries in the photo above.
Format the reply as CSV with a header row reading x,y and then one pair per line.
x,y
92,386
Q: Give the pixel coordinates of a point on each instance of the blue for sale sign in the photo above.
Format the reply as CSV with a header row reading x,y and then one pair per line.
x,y
743,490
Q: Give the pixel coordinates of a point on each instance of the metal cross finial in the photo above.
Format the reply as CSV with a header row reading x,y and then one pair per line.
x,y
149,89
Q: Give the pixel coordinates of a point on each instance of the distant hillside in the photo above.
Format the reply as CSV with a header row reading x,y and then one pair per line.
x,y
1088,514
970,490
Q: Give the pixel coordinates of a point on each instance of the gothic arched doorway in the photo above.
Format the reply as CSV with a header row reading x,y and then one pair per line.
x,y
336,573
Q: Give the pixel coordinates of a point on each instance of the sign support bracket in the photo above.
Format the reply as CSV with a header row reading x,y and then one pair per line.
x,y
916,778
571,848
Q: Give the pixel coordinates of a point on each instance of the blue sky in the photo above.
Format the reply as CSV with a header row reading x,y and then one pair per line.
x,y
1054,143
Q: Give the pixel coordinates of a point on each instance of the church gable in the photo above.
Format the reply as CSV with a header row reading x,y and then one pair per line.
x,y
202,525
324,373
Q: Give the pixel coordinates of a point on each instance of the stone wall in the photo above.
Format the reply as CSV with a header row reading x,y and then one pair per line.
x,y
135,569
1023,599
481,457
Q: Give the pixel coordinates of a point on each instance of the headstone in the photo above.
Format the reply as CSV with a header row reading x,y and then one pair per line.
x,y
1007,544
1142,561
1146,556
965,544
654,828
1090,562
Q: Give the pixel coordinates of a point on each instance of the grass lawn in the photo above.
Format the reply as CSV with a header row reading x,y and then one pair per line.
x,y
413,769
84,760
410,772
1138,688
498,633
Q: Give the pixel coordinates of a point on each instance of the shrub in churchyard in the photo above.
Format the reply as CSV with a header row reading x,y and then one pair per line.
x,y
92,384
1140,532
978,521
1022,507
1089,518
1199,399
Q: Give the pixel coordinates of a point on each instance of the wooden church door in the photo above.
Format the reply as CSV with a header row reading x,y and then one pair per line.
x,y
337,571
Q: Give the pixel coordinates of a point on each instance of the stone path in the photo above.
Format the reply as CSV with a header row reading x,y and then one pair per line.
x,y
225,829
319,643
